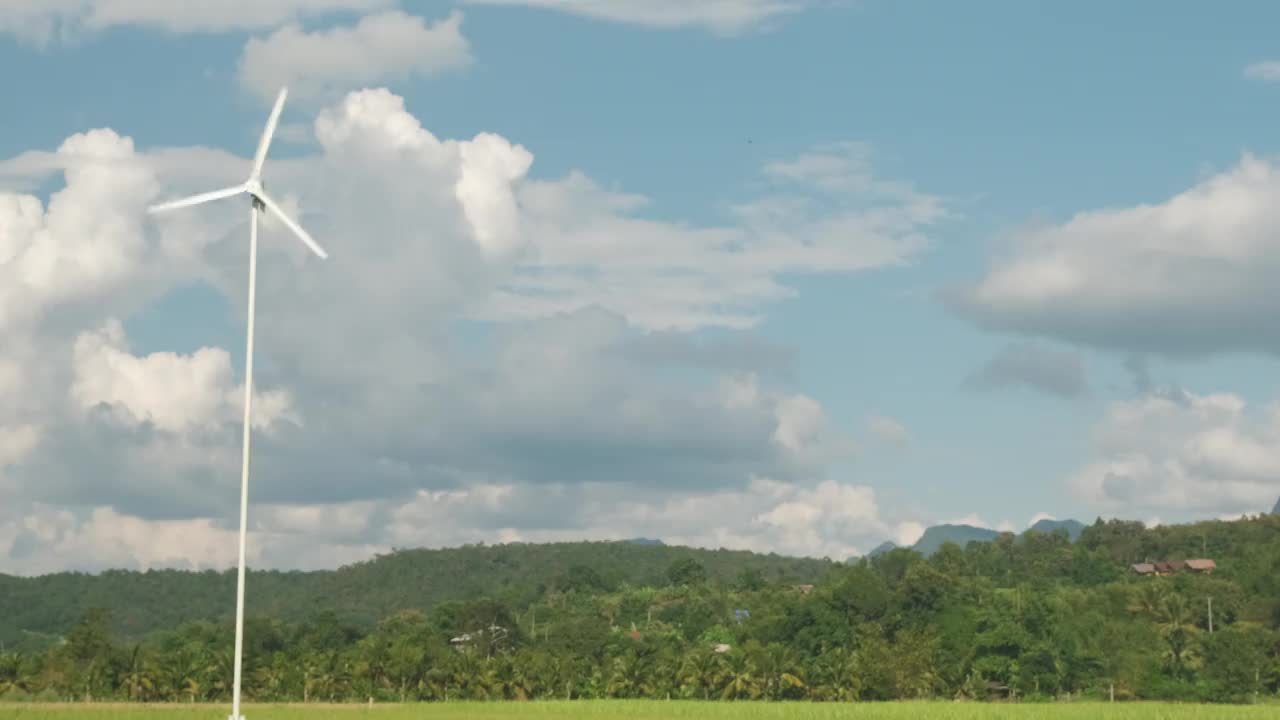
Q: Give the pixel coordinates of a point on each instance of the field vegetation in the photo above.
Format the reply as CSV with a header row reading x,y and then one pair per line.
x,y
656,710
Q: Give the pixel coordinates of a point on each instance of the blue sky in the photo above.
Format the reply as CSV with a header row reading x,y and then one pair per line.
x,y
1012,117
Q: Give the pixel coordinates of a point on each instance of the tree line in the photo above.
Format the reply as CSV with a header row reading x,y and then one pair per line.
x,y
1028,617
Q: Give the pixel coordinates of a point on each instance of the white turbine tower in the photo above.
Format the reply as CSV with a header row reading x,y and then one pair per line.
x,y
259,201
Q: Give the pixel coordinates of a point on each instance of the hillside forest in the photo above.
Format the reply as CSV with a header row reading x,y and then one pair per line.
x,y
1030,617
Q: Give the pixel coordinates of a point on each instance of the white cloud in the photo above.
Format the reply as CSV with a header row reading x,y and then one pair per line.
x,y
87,242
1192,274
1038,517
44,539
720,16
568,393
970,519
829,519
175,392
908,533
800,421
385,47
490,166
41,21
1265,70
1175,452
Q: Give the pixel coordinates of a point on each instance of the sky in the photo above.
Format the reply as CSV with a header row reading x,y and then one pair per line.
x,y
794,276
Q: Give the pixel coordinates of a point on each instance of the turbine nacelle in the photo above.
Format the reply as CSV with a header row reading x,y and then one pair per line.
x,y
256,190
253,186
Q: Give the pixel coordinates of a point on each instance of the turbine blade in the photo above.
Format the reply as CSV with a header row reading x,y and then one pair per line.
x,y
267,133
295,227
197,199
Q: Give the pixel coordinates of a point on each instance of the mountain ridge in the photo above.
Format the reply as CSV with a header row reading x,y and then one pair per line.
x,y
961,534
366,591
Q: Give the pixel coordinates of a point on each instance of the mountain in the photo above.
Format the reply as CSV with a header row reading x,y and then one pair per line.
x,y
1276,510
645,541
1047,526
362,593
881,549
961,535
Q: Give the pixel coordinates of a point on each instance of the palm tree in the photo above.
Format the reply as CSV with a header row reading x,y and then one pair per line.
x,y
1178,628
779,666
741,680
138,676
11,677
701,671
1176,623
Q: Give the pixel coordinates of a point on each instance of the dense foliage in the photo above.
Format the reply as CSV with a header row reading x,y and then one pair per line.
x,y
1033,616
34,611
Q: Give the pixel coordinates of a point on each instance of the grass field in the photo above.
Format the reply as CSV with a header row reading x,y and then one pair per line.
x,y
647,710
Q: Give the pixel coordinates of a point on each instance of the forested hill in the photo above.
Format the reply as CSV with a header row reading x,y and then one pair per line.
x,y
1034,615
141,602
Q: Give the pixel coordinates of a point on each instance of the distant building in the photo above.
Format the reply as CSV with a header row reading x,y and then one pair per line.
x,y
721,648
494,634
741,614
1203,565
804,589
1169,567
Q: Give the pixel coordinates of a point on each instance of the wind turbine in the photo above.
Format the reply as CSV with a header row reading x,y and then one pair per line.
x,y
259,201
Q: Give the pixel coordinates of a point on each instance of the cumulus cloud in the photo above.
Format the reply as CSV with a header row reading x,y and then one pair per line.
x,y
1174,452
44,538
720,16
1033,365
1192,274
385,47
826,519
40,21
86,243
372,395
174,392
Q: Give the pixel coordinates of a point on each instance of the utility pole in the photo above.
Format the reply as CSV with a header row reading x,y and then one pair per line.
x,y
1210,614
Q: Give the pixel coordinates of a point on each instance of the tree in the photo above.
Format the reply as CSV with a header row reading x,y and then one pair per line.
x,y
686,571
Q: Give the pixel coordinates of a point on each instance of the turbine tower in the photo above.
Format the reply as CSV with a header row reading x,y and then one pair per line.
x,y
259,201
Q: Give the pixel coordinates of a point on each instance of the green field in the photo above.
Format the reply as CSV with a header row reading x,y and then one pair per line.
x,y
647,710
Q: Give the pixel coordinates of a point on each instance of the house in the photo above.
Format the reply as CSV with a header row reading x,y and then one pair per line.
x,y
804,589
721,648
494,634
1170,567
998,690
1202,565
